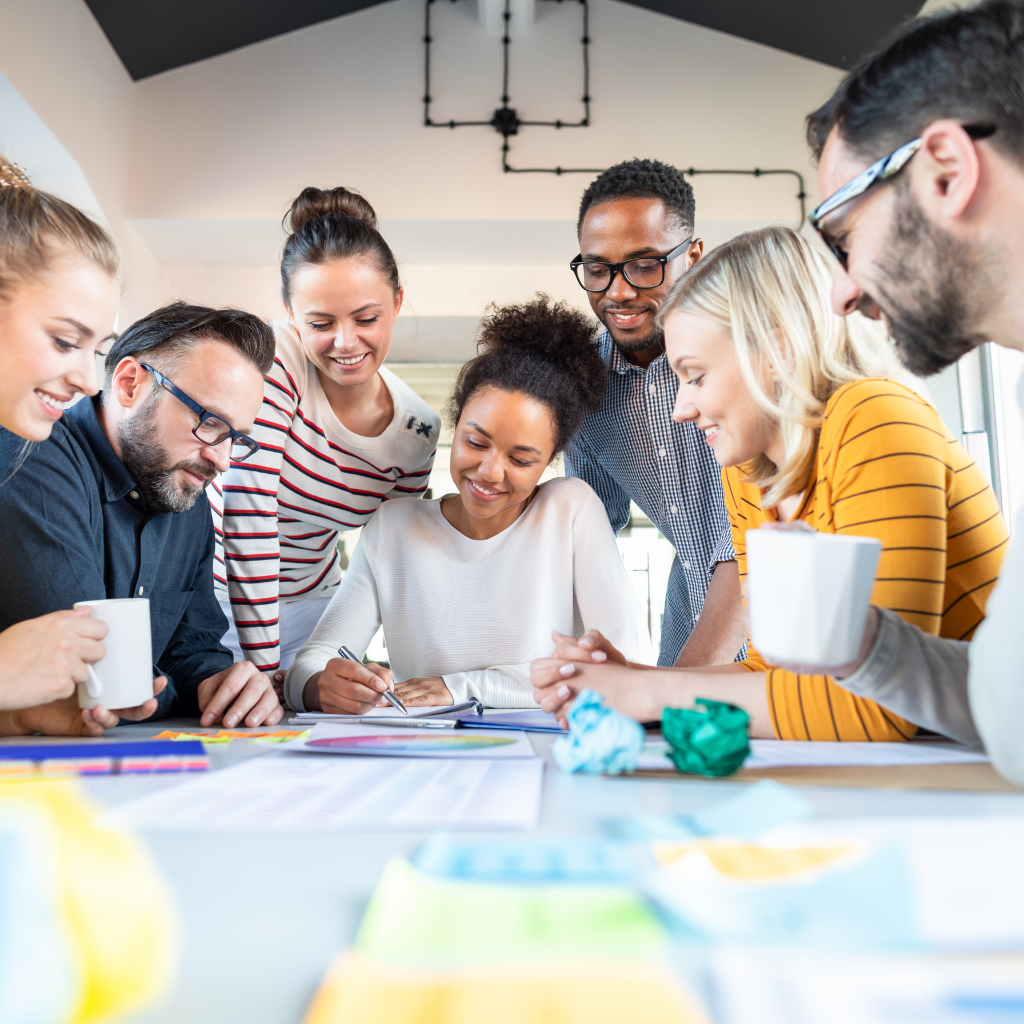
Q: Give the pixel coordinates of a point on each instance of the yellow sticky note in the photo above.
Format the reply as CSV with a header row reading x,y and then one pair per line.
x,y
360,988
747,860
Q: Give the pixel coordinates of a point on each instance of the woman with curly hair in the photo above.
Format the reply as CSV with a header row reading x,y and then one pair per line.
x,y
468,587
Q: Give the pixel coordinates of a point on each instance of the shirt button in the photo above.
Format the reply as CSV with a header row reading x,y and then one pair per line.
x,y
653,389
140,591
135,495
686,565
661,453
673,509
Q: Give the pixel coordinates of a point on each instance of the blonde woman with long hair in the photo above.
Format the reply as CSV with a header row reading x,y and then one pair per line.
x,y
813,420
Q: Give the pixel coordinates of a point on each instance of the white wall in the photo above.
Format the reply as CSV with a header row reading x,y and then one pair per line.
x,y
220,148
54,54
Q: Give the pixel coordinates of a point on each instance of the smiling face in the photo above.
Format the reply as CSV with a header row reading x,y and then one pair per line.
x,y
51,326
713,394
154,436
343,311
931,288
502,443
623,229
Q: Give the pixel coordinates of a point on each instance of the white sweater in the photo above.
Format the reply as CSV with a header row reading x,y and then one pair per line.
x,y
278,514
477,612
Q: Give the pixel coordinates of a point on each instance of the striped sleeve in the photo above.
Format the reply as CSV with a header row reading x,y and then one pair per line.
x,y
252,546
883,472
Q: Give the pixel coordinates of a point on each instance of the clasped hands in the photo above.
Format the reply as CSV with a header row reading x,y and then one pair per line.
x,y
592,663
352,688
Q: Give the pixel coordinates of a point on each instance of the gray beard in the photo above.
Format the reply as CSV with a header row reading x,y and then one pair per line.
x,y
147,461
942,284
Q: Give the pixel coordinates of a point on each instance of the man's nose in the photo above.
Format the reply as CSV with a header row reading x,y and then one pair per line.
x,y
218,454
846,295
620,290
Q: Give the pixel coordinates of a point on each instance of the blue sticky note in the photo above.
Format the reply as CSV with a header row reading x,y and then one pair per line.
x,y
525,860
765,805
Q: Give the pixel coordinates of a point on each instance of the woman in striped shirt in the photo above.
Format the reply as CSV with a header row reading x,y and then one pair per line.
x,y
338,432
806,413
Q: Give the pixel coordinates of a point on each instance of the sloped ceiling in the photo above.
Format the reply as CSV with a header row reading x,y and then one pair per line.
x,y
151,36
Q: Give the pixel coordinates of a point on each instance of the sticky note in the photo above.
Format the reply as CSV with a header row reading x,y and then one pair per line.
x,y
413,915
360,988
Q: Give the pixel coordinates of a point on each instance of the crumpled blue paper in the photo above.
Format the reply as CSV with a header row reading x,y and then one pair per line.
x,y
601,741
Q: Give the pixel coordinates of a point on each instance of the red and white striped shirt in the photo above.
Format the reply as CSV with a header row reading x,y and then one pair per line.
x,y
278,514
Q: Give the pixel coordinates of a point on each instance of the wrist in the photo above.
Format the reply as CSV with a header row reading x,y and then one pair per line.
x,y
13,723
311,693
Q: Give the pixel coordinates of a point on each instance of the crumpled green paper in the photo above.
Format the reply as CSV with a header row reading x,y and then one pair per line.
x,y
710,739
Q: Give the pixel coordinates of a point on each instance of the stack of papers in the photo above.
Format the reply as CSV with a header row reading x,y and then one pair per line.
x,y
387,741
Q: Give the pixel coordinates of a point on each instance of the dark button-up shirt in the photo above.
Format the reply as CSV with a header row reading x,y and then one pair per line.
x,y
632,449
74,527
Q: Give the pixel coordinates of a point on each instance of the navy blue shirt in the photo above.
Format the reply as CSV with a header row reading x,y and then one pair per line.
x,y
76,528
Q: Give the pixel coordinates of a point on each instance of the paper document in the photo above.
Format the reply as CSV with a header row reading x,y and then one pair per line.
x,y
766,754
773,986
284,792
383,741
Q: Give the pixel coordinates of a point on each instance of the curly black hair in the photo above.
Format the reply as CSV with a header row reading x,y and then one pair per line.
x,y
541,349
642,179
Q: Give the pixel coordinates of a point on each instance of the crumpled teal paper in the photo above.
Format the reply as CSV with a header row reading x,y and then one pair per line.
x,y
710,739
601,741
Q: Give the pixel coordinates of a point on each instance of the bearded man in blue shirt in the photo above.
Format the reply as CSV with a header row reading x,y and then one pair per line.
x,y
113,506
636,233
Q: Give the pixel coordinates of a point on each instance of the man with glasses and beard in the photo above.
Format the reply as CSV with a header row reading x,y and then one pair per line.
x,y
921,158
113,506
636,239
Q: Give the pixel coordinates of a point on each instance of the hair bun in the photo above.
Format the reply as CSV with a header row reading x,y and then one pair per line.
x,y
553,331
315,202
12,176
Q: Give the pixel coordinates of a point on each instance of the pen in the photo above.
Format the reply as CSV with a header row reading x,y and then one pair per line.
x,y
389,695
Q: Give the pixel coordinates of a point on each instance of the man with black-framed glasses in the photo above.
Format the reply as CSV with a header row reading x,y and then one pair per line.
x,y
636,234
921,170
113,506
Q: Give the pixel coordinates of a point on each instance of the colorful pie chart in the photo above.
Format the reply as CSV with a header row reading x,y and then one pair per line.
x,y
408,744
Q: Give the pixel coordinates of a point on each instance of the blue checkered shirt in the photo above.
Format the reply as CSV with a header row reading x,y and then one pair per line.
x,y
632,449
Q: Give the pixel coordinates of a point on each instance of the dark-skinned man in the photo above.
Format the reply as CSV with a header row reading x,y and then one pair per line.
x,y
635,227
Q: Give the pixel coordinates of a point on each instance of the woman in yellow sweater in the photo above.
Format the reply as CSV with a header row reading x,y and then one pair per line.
x,y
807,415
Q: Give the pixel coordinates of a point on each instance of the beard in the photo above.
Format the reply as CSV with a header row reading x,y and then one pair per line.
x,y
149,464
656,337
942,286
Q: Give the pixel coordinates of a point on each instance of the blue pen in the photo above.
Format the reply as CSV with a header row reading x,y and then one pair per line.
x,y
388,693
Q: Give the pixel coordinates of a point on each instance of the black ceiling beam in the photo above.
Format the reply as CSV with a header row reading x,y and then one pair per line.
x,y
151,36
835,32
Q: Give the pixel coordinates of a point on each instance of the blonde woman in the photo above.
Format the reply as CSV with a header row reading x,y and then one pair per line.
x,y
810,420
58,300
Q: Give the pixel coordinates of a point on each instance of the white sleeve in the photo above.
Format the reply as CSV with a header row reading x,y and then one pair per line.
x,y
500,686
996,676
351,619
603,590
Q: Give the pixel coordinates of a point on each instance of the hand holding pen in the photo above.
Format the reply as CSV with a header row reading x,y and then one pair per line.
x,y
389,693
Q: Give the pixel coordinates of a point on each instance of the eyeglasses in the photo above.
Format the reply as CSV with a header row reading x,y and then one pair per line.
x,y
646,272
878,173
210,429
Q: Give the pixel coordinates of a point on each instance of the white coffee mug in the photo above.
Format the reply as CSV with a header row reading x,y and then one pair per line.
x,y
124,677
808,595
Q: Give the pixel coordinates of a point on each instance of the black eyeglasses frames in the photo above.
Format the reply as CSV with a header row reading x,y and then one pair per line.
x,y
211,429
643,272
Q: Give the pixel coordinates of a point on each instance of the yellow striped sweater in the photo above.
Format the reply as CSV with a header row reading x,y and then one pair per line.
x,y
886,466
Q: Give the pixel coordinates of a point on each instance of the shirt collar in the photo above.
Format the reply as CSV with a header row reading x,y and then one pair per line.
x,y
617,362
117,481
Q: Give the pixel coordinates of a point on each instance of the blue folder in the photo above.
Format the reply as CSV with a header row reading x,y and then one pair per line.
x,y
528,721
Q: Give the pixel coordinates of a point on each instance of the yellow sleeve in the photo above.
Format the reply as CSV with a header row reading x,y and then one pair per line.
x,y
883,472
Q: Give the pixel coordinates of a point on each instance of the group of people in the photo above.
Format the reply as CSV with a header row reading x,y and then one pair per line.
x,y
760,385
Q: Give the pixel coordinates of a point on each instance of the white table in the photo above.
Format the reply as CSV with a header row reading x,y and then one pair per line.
x,y
264,913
